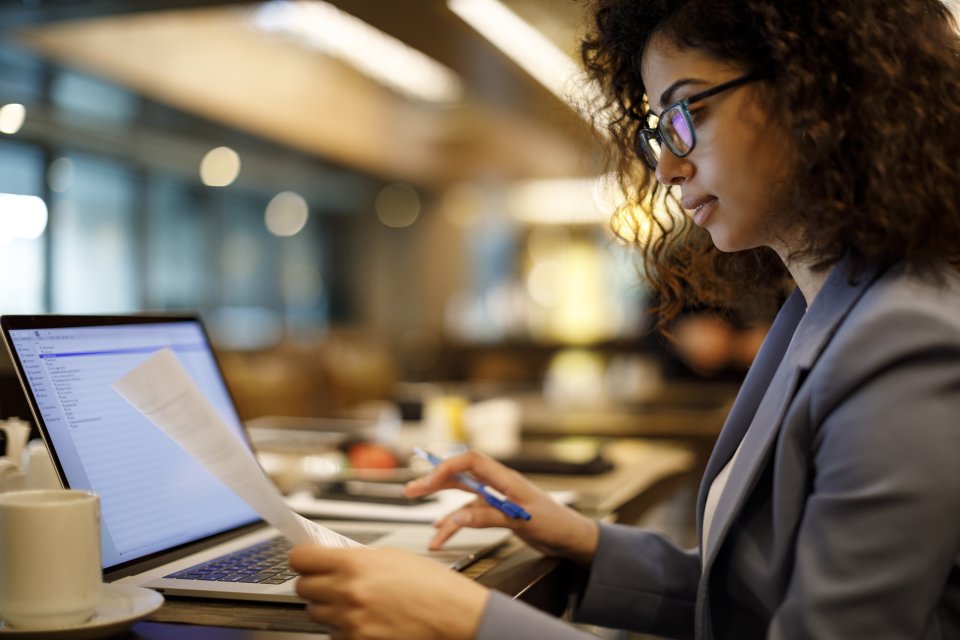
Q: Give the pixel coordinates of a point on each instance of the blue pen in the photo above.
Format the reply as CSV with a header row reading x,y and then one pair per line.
x,y
504,506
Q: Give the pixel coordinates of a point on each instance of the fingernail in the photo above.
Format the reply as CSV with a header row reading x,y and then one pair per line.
x,y
461,519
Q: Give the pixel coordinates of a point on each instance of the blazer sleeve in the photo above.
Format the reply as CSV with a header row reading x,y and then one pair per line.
x,y
881,528
506,619
638,580
641,581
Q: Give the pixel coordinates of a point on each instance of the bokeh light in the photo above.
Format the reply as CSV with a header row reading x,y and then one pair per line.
x,y
398,205
12,117
286,215
220,167
22,217
60,174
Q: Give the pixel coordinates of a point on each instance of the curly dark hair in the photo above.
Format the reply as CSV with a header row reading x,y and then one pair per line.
x,y
869,93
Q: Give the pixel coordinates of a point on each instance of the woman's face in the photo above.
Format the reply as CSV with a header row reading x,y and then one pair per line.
x,y
729,182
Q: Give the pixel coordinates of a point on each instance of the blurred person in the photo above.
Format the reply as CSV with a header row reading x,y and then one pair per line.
x,y
713,347
813,144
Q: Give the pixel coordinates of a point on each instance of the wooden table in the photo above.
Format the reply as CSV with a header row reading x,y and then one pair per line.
x,y
644,473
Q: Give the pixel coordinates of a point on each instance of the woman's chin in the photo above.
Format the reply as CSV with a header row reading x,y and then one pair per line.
x,y
722,242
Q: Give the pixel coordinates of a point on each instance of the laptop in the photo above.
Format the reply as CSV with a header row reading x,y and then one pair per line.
x,y
166,522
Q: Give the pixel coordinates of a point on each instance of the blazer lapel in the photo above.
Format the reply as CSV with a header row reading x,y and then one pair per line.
x,y
811,332
751,392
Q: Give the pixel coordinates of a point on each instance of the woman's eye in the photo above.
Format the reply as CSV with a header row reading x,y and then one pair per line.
x,y
695,114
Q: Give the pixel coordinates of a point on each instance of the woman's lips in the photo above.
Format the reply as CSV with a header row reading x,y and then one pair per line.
x,y
702,210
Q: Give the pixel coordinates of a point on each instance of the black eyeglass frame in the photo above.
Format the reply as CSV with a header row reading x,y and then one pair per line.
x,y
648,133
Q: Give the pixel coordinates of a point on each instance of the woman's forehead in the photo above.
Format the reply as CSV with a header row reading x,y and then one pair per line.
x,y
665,63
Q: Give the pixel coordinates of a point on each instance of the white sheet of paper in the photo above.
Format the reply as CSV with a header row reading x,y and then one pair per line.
x,y
448,501
163,391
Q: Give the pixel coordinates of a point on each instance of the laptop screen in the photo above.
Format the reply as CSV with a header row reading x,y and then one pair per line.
x,y
153,495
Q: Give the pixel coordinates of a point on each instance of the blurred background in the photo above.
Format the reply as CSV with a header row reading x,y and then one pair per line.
x,y
358,196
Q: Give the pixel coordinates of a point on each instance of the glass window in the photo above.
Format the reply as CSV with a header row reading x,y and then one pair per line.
x,y
302,279
21,254
94,238
249,299
248,254
181,272
21,75
82,94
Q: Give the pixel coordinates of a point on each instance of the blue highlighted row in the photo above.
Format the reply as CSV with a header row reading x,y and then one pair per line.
x,y
108,352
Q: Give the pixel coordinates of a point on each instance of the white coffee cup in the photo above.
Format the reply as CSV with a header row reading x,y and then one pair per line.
x,y
50,572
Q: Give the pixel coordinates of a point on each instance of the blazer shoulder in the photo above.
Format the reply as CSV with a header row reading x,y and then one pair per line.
x,y
904,303
904,320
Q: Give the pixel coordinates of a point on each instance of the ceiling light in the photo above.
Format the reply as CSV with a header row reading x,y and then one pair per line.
x,y
324,27
286,214
529,49
220,167
12,117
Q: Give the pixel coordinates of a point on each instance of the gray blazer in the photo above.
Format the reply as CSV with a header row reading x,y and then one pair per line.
x,y
841,516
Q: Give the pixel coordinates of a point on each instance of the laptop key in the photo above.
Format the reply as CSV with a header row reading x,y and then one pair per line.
x,y
259,577
267,558
216,577
235,577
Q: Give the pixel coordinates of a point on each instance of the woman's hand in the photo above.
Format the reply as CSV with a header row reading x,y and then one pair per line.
x,y
374,594
553,529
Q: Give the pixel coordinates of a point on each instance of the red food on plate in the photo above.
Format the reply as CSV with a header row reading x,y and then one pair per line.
x,y
369,455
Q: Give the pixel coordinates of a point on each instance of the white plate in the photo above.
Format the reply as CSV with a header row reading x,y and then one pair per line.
x,y
118,608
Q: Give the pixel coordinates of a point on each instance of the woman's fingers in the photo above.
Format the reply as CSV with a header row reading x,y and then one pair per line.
x,y
312,559
318,589
477,515
480,466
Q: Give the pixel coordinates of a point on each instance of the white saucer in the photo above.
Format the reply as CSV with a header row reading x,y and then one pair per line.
x,y
118,608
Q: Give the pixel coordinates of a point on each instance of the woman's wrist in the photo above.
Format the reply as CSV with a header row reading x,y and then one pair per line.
x,y
584,543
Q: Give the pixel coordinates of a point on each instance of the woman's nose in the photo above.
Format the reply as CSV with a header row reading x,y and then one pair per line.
x,y
672,170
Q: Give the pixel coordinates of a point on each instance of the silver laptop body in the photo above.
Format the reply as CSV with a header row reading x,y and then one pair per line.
x,y
161,511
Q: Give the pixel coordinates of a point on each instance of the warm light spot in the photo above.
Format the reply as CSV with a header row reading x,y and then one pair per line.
x,y
555,201
286,214
574,377
529,48
220,167
544,282
635,224
607,194
389,61
11,117
398,205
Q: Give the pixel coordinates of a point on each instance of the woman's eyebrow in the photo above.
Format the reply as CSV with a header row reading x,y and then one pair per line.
x,y
666,98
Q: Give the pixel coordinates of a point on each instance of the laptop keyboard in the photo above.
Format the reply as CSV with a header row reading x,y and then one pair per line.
x,y
264,563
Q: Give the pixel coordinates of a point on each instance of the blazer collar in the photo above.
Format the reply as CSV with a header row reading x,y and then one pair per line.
x,y
794,343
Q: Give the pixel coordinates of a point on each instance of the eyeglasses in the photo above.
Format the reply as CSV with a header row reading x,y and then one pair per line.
x,y
675,126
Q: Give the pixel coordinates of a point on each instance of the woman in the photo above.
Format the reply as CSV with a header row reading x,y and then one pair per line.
x,y
811,143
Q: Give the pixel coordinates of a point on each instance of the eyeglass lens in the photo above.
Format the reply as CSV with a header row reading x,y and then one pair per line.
x,y
674,129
